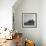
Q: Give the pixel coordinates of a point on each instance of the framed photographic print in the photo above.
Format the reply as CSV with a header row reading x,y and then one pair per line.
x,y
29,20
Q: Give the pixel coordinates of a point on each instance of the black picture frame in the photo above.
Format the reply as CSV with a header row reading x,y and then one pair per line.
x,y
29,20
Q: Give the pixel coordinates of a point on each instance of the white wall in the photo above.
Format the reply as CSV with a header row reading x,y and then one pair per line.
x,y
43,22
32,6
6,13
28,6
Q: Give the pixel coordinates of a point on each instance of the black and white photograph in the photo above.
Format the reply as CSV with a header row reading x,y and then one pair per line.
x,y
29,20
